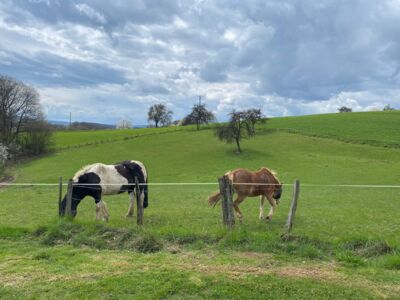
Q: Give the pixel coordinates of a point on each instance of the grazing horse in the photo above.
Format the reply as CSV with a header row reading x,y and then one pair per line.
x,y
99,179
263,183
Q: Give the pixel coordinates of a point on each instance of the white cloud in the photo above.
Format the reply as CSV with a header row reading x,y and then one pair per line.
x,y
47,2
91,13
285,57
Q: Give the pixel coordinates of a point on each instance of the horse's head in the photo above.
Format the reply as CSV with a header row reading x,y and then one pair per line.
x,y
277,192
78,193
273,178
74,206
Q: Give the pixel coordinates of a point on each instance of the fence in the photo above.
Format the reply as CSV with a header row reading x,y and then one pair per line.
x,y
333,206
226,190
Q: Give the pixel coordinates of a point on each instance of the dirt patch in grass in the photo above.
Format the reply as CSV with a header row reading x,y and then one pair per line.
x,y
13,281
309,272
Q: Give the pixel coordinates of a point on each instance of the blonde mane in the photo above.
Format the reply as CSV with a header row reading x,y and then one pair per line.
x,y
272,172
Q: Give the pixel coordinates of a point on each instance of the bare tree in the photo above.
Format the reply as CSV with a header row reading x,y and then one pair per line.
x,y
199,115
23,128
19,103
240,125
159,114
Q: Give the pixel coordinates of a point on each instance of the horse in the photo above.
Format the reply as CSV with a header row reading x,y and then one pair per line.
x,y
245,183
98,179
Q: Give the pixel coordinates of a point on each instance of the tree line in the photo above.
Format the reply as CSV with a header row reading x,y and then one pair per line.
x,y
159,115
345,109
241,124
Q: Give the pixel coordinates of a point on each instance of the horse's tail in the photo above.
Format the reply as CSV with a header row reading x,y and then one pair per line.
x,y
214,198
146,192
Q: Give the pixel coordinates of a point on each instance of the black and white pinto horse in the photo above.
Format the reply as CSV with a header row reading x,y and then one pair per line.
x,y
99,179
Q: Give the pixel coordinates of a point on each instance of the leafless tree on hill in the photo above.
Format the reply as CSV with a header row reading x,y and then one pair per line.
x,y
21,118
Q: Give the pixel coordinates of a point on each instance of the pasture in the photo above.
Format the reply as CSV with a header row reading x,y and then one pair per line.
x,y
372,128
345,242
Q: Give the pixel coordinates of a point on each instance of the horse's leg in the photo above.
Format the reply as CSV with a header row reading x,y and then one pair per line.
x,y
262,199
101,210
273,205
130,209
236,207
98,210
106,214
99,205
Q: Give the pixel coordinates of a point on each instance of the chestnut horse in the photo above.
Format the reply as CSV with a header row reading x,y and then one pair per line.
x,y
245,183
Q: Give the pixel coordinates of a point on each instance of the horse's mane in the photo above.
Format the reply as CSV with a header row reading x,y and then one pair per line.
x,y
84,170
272,172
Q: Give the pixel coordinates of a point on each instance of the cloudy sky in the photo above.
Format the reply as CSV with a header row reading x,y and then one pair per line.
x,y
111,60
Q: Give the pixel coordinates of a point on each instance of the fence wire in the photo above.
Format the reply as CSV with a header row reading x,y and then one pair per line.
x,y
205,184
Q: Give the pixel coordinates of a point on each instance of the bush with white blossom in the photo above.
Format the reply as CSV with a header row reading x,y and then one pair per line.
x,y
3,155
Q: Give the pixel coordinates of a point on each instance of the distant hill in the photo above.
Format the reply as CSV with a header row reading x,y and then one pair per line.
x,y
55,122
81,125
88,125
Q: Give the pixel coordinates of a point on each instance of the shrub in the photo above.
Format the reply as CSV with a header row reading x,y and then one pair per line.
x,y
36,138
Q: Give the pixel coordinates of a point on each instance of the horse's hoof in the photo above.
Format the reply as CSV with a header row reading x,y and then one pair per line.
x,y
129,216
261,218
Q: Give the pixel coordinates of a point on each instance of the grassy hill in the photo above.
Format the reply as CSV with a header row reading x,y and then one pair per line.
x,y
374,128
345,242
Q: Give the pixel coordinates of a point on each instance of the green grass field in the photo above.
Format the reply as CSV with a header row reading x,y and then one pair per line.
x,y
81,138
373,128
345,243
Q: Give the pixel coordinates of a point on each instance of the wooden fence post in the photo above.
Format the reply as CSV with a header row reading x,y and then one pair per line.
x,y
69,198
293,206
139,202
226,190
59,195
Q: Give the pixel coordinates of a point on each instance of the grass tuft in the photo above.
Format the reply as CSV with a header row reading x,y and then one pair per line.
x,y
367,248
148,244
43,255
98,236
349,259
392,263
